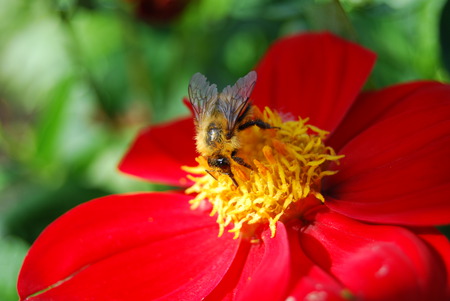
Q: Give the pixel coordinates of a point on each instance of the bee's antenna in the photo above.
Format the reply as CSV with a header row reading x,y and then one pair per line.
x,y
230,174
209,172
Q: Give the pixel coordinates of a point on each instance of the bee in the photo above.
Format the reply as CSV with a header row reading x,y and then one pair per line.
x,y
218,117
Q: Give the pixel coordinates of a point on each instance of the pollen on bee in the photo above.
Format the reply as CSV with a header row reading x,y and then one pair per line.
x,y
288,164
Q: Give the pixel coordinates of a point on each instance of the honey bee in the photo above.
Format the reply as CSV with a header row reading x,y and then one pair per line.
x,y
218,117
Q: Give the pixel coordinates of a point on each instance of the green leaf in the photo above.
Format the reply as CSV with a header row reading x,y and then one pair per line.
x,y
12,253
51,120
40,206
444,35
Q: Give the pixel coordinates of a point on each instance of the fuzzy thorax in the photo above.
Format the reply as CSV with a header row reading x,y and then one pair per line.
x,y
288,164
209,142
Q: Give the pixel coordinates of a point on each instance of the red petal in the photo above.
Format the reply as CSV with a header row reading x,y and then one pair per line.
x,y
270,279
396,170
273,269
370,108
237,275
440,243
310,282
312,75
375,262
128,247
262,262
159,152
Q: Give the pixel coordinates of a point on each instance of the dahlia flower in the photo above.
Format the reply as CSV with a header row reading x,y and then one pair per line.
x,y
340,203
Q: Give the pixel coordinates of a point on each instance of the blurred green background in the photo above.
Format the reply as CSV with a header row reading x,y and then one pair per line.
x,y
79,78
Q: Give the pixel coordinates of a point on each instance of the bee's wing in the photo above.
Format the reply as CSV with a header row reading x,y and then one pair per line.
x,y
202,96
233,101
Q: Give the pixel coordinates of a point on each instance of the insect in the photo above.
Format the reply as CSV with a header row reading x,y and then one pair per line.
x,y
218,117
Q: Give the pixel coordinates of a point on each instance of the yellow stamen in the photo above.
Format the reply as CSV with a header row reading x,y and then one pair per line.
x,y
288,164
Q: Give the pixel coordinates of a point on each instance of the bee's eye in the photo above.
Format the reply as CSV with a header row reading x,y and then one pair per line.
x,y
219,162
223,162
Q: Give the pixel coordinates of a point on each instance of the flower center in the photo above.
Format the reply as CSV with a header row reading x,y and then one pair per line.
x,y
287,166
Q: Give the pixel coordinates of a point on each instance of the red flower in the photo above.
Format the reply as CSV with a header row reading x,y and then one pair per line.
x,y
372,240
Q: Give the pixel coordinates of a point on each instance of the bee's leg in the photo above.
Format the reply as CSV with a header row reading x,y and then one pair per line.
x,y
230,174
258,122
240,161
227,171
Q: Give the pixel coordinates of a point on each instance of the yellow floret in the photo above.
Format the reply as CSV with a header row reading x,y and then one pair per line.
x,y
288,165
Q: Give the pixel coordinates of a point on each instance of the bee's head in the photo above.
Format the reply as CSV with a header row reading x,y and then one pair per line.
x,y
219,162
